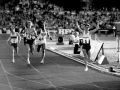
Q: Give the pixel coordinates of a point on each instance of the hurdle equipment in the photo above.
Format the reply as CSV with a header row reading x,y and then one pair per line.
x,y
96,47
103,60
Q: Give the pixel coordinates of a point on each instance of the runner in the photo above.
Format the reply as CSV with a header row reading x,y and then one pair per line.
x,y
14,41
30,34
41,39
86,42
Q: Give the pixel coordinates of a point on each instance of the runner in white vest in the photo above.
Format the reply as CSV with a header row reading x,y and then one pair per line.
x,y
14,39
41,40
86,42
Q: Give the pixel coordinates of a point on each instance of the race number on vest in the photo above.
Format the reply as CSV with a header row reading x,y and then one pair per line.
x,y
28,36
86,40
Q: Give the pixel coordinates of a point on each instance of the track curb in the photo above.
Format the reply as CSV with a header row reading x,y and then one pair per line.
x,y
96,67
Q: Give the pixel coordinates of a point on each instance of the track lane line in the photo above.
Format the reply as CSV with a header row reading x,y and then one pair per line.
x,y
91,84
37,71
6,76
12,86
58,77
42,73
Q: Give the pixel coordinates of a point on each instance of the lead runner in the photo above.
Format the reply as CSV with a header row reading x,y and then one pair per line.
x,y
86,33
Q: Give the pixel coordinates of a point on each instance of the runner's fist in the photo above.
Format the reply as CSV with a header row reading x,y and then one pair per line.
x,y
50,38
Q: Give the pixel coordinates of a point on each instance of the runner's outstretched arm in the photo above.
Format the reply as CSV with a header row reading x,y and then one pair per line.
x,y
97,28
48,34
78,26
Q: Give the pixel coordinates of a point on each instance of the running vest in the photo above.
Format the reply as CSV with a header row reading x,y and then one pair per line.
x,y
14,37
42,36
30,34
86,38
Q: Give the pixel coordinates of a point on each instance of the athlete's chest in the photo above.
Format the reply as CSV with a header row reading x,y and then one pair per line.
x,y
13,35
86,34
30,31
42,36
14,38
86,37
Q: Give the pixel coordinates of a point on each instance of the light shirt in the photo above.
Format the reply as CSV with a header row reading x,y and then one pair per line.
x,y
14,37
41,38
86,37
76,40
72,37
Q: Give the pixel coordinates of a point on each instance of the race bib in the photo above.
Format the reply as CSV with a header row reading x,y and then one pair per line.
x,y
86,40
28,36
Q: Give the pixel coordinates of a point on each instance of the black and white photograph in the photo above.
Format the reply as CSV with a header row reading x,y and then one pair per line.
x,y
59,45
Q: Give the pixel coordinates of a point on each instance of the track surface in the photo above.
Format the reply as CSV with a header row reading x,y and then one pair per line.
x,y
58,73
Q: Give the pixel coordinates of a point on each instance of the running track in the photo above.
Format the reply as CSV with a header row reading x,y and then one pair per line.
x,y
58,73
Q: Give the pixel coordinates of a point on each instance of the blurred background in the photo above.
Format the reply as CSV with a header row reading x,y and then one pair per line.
x,y
60,13
76,4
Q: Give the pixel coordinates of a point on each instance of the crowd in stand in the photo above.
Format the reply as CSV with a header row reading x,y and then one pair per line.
x,y
55,16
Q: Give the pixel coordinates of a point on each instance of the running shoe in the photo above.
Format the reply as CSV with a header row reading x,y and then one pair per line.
x,y
42,62
86,68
